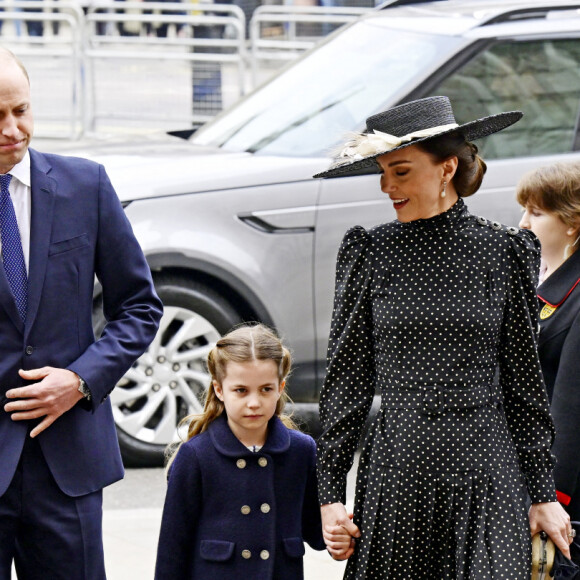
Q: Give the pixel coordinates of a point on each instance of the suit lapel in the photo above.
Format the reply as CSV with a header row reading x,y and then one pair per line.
x,y
43,190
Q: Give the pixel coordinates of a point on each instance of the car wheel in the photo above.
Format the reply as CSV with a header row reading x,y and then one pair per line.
x,y
169,381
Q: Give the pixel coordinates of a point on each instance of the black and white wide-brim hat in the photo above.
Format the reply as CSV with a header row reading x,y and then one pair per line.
x,y
409,124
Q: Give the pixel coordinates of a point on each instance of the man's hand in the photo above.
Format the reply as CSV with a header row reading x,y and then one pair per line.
x,y
53,395
553,519
338,531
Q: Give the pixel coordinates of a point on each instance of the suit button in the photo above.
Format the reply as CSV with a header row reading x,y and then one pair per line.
x,y
264,554
241,463
265,508
246,554
246,509
262,462
29,350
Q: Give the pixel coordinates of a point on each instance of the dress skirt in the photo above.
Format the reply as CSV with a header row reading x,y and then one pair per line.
x,y
436,523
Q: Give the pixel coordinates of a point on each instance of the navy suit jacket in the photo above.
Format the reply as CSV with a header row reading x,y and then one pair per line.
x,y
78,230
559,350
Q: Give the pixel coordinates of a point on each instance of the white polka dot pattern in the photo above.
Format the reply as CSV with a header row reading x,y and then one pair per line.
x,y
445,301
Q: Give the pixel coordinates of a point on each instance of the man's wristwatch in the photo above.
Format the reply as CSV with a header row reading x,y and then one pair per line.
x,y
84,390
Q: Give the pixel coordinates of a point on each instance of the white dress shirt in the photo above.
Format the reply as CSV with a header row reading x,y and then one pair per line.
x,y
20,193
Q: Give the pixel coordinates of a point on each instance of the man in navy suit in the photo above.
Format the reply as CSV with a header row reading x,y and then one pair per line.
x,y
58,446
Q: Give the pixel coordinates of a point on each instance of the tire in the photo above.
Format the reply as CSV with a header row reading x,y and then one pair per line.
x,y
169,381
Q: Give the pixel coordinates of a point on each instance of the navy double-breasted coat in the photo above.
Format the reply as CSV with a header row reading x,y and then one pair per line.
x,y
559,349
231,513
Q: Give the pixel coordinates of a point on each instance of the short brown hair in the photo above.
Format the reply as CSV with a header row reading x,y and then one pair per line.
x,y
555,189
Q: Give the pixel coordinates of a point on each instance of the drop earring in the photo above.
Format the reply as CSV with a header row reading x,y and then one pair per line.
x,y
443,192
568,250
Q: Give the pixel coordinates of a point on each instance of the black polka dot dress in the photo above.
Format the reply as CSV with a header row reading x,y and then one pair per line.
x,y
427,312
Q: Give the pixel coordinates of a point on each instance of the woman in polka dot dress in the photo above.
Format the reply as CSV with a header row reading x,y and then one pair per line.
x,y
427,308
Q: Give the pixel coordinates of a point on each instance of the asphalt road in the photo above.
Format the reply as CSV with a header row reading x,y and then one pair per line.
x,y
132,515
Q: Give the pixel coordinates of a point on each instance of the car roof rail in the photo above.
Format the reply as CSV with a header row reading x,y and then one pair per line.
x,y
500,15
395,3
531,12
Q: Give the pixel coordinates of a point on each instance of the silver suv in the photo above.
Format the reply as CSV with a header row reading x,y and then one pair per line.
x,y
235,228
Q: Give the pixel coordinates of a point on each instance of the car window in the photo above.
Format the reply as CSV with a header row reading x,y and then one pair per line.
x,y
307,109
539,77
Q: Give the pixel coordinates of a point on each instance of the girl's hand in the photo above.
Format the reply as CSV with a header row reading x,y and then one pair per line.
x,y
338,530
553,519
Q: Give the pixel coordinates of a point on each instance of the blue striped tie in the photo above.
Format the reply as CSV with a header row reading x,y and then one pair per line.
x,y
12,255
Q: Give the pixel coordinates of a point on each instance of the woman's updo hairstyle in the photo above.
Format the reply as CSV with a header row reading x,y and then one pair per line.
x,y
470,167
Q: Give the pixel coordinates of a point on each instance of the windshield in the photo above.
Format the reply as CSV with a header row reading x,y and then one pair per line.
x,y
306,110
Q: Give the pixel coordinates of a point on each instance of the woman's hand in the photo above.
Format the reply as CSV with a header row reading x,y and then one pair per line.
x,y
338,530
553,519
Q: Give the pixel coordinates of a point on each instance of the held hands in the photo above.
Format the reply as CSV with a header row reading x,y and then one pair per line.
x,y
338,530
553,519
53,395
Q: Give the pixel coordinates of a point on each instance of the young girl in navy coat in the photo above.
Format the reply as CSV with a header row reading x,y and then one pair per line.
x,y
242,495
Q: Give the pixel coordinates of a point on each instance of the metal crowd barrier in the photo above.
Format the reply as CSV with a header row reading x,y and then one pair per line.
x,y
31,48
285,43
191,47
91,53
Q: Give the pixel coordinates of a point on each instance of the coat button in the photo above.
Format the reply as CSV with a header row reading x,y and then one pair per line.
x,y
264,508
264,554
241,463
246,554
262,462
29,350
245,509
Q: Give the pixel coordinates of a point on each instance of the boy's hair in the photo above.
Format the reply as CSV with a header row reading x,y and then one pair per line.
x,y
243,344
555,189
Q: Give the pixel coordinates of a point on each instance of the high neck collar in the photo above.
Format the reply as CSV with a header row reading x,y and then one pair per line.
x,y
558,286
447,220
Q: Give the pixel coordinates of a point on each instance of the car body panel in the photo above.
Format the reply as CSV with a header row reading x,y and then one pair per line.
x,y
237,204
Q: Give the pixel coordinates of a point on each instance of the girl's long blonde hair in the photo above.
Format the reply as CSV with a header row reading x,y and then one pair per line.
x,y
243,344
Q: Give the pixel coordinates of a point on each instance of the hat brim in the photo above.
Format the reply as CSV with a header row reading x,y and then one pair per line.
x,y
470,131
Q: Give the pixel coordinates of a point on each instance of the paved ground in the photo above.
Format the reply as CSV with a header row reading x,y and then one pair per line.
x,y
132,514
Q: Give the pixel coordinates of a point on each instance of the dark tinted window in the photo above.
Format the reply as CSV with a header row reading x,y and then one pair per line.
x,y
540,78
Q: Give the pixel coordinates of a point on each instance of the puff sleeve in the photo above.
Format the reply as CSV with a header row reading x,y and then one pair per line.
x,y
525,398
348,390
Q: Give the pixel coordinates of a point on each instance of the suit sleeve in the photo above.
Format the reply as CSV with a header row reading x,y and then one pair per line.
x,y
525,398
130,304
566,413
180,515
